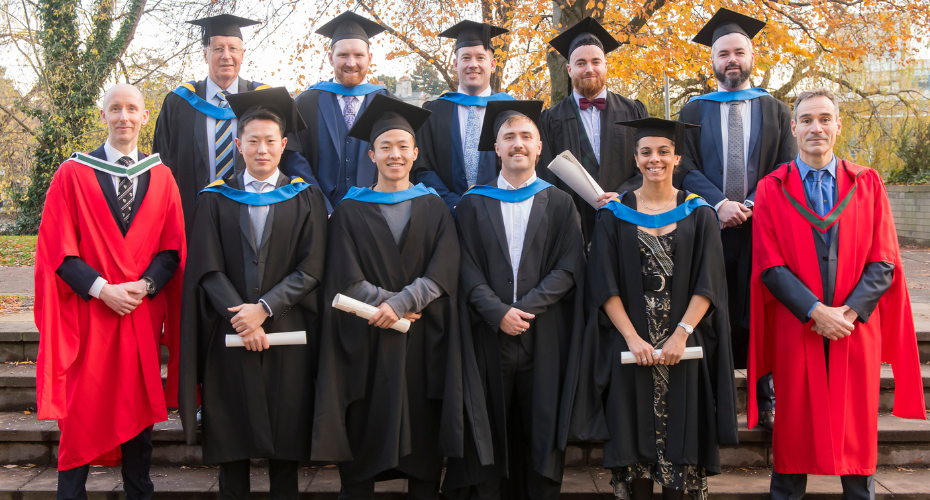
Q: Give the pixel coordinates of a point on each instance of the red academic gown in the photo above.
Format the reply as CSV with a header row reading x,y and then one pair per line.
x,y
98,373
829,425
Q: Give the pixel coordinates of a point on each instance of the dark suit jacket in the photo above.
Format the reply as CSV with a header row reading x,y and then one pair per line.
x,y
80,276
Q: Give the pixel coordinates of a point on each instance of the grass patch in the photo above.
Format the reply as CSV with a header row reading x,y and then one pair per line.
x,y
17,250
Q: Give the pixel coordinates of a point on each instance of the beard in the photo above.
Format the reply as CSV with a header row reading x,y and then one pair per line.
x,y
589,88
351,80
736,81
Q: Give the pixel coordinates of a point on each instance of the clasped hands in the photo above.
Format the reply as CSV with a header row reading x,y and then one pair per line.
x,y
733,213
386,317
834,323
124,297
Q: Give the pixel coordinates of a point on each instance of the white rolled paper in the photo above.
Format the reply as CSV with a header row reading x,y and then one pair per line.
x,y
363,310
627,357
282,338
574,174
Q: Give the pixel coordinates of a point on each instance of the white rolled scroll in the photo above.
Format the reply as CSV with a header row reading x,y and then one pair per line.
x,y
574,174
627,357
282,338
363,310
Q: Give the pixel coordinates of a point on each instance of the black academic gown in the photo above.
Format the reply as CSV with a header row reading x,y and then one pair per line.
x,y
701,171
561,128
441,163
255,404
182,143
702,393
553,242
389,404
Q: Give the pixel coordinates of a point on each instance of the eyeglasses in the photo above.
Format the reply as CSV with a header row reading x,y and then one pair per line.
x,y
232,50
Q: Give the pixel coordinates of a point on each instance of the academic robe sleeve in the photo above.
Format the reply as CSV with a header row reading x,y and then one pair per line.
x,y
474,285
424,168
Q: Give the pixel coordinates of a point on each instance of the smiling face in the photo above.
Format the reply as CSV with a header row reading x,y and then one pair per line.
x,y
588,70
656,159
350,59
474,66
816,126
261,144
394,152
733,60
224,57
124,114
518,145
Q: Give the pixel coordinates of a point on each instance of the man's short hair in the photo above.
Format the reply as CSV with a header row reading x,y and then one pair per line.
x,y
259,113
517,118
819,92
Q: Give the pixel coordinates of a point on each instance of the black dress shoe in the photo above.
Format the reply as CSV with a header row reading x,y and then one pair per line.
x,y
199,418
767,420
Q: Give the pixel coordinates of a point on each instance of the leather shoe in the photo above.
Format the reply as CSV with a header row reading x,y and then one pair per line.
x,y
767,420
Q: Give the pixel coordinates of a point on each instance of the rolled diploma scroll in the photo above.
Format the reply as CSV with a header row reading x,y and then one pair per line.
x,y
363,310
627,357
574,174
283,338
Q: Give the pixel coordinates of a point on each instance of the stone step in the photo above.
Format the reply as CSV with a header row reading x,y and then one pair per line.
x,y
27,440
322,483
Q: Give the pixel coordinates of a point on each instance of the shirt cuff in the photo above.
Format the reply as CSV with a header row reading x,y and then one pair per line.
x,y
96,287
267,307
717,206
813,307
748,203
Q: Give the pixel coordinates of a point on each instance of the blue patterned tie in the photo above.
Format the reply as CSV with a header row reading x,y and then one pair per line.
x,y
817,195
472,156
350,111
224,142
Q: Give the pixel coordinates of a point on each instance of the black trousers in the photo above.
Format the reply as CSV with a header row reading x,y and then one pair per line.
x,y
235,484
417,489
137,461
794,486
517,374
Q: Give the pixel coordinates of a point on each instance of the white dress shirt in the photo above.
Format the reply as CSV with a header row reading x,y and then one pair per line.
x,y
745,108
516,217
247,181
591,119
212,98
463,114
112,156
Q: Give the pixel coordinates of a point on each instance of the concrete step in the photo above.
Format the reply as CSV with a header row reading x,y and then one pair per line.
x,y
322,483
27,440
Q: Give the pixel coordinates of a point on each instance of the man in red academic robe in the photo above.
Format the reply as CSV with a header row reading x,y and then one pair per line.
x,y
108,278
829,305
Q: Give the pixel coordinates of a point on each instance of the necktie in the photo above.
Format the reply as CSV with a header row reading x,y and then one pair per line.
x,y
818,197
472,156
124,192
736,164
585,103
224,142
258,214
349,112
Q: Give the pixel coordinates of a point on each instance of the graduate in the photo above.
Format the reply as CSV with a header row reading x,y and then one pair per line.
x,y
109,258
196,128
339,162
260,240
829,306
585,121
389,404
449,159
521,306
656,286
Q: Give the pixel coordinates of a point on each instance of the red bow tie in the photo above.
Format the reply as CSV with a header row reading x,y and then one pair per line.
x,y
585,103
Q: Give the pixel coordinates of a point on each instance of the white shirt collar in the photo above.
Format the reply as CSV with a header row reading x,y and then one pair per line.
x,y
577,96
113,154
213,88
272,179
484,93
503,184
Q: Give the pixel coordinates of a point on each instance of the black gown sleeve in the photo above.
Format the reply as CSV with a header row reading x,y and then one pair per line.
x,y
78,275
548,292
480,295
874,282
289,291
788,289
162,269
221,292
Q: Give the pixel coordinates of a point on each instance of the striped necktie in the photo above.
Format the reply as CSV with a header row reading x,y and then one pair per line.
x,y
124,192
224,142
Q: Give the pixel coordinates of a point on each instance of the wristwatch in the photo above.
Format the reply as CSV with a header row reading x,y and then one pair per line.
x,y
149,285
686,327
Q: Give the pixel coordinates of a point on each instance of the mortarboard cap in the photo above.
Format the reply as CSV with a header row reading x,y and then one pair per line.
x,y
498,112
471,34
222,25
586,32
723,23
350,25
388,113
657,127
277,100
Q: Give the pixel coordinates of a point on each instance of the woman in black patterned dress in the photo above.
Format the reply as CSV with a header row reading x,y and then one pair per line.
x,y
656,286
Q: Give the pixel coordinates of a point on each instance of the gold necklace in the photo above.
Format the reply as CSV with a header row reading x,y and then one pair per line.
x,y
654,209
